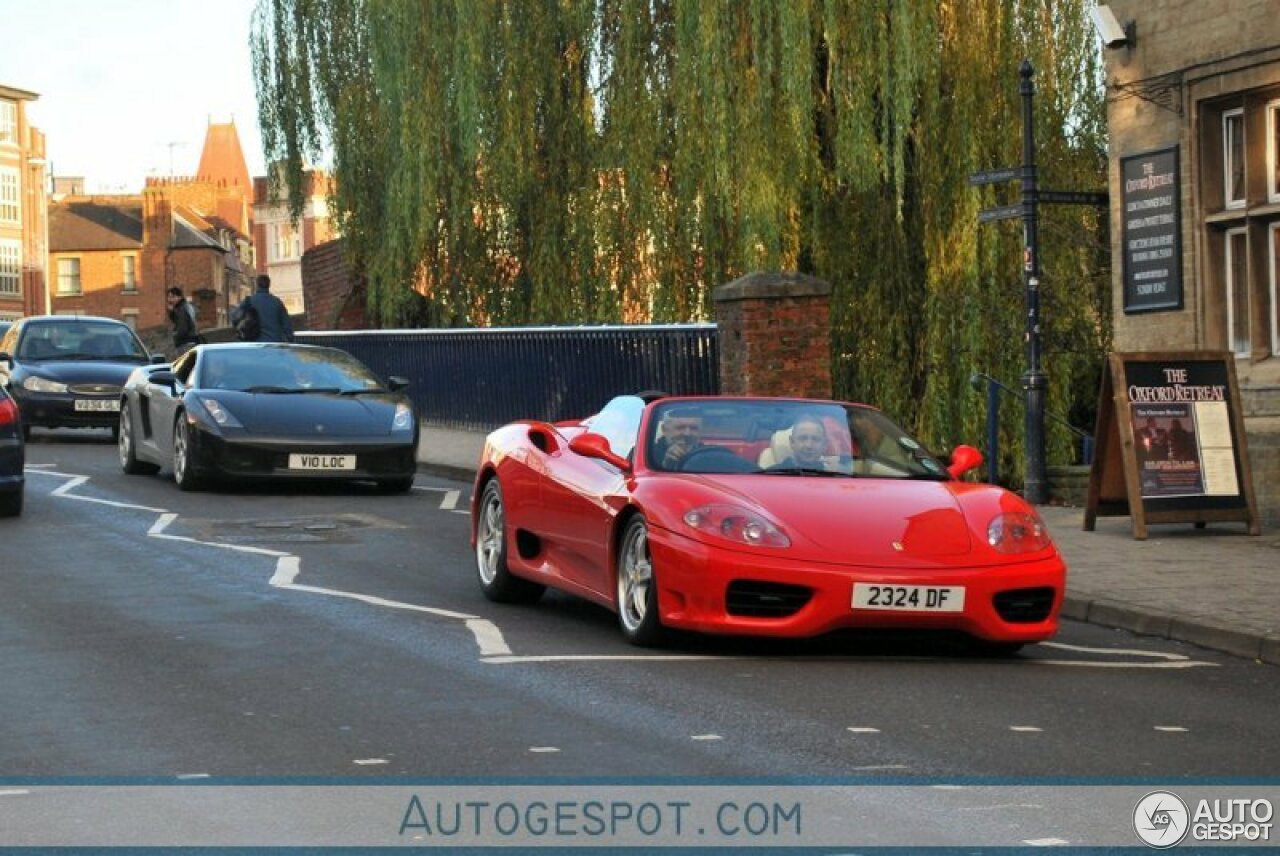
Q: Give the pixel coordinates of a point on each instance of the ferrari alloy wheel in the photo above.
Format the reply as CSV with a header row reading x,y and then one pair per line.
x,y
182,469
637,587
496,580
128,451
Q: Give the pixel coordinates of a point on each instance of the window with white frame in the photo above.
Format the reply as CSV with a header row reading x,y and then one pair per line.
x,y
1237,280
1273,151
69,276
10,267
130,272
1233,157
8,122
287,243
9,195
1274,233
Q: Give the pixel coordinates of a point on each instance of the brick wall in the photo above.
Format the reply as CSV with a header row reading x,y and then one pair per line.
x,y
334,299
102,288
775,335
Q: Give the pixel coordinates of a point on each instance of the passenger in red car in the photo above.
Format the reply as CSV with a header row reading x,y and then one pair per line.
x,y
808,444
681,433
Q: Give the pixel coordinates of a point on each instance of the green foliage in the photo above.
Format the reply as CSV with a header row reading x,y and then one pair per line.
x,y
585,161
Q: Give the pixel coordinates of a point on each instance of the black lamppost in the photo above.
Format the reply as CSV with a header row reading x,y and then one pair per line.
x,y
1034,381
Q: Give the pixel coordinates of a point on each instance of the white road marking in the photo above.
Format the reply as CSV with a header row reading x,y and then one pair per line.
x,y
570,658
450,501
1172,728
188,776
705,737
1025,728
367,762
858,729
1132,652
1046,842
872,767
1189,664
544,749
288,566
16,792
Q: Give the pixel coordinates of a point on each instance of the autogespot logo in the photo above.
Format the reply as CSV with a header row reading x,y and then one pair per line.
x,y
1161,819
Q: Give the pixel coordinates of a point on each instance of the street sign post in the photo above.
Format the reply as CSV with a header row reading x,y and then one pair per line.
x,y
995,176
1003,212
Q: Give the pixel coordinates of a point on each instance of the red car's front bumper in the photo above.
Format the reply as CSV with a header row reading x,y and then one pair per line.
x,y
713,590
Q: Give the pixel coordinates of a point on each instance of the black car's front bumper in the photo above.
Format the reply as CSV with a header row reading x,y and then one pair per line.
x,y
256,456
60,409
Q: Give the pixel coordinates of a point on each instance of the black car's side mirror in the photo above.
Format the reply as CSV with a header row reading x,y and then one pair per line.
x,y
158,360
163,378
396,383
6,359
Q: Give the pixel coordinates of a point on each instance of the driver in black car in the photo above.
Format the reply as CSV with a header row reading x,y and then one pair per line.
x,y
679,434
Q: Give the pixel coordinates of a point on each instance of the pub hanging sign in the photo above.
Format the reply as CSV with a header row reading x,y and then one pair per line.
x,y
1152,231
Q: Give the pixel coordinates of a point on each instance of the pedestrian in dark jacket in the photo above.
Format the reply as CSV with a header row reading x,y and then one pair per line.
x,y
273,324
181,316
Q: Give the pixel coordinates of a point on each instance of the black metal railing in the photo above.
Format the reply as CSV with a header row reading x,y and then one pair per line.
x,y
993,389
477,379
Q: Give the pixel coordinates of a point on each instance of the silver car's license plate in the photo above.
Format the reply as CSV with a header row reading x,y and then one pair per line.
x,y
322,462
109,405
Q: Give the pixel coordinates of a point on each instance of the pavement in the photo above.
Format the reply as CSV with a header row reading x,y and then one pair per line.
x,y
1216,587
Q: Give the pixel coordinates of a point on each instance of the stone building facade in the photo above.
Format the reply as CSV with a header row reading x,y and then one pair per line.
x,y
1193,112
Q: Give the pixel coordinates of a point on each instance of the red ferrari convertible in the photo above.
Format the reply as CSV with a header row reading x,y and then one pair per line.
x,y
767,517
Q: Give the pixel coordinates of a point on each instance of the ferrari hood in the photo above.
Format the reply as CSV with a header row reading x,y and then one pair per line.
x,y
309,414
885,522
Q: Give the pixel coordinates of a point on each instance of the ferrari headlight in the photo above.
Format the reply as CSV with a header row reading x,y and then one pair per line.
x,y
1017,532
220,414
403,420
35,383
737,525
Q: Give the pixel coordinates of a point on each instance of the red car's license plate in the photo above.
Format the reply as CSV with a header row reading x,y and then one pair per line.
x,y
908,598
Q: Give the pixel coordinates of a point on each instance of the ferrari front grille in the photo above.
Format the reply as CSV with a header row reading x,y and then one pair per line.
x,y
758,599
1024,606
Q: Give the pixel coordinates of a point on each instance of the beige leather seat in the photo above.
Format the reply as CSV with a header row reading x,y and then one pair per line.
x,y
778,450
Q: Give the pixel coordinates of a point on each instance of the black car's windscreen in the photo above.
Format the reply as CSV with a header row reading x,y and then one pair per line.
x,y
285,370
80,340
727,436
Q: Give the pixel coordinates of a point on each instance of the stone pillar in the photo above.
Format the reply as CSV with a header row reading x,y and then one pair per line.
x,y
775,335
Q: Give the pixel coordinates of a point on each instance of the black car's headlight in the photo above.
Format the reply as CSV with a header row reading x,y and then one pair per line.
x,y
219,415
35,383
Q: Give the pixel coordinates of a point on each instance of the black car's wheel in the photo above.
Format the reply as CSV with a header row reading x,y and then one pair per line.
x,y
183,475
128,451
11,504
638,587
401,485
496,580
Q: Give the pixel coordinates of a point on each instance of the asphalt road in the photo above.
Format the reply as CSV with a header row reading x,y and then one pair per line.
x,y
312,631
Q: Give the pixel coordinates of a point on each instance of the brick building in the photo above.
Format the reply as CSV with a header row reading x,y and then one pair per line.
x,y
1193,109
279,241
23,195
115,256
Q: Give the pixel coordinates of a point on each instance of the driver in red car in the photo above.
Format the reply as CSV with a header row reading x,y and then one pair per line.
x,y
679,434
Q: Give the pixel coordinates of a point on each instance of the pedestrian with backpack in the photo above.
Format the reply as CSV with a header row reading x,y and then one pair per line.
x,y
261,317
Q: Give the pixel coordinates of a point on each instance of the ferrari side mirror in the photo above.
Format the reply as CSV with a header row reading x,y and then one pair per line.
x,y
158,359
395,383
963,459
590,445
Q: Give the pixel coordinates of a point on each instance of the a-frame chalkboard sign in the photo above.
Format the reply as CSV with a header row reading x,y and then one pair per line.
x,y
1170,445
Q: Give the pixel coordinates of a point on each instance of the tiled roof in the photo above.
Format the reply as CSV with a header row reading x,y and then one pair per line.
x,y
95,224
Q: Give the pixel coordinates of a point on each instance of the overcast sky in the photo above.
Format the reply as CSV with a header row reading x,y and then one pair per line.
x,y
127,87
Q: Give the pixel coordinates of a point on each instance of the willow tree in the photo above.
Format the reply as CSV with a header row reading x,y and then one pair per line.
x,y
576,161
